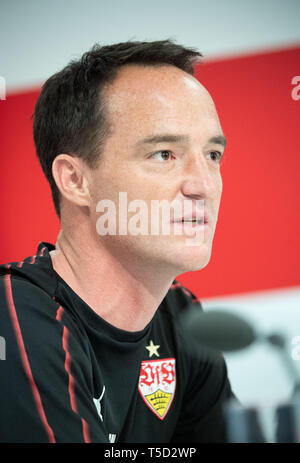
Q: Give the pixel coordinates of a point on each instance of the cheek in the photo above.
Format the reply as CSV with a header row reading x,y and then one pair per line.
x,y
103,186
218,182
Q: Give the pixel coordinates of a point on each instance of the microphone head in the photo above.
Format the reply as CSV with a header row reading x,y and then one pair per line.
x,y
217,329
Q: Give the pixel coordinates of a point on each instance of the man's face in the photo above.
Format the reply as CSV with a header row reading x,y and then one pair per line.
x,y
148,102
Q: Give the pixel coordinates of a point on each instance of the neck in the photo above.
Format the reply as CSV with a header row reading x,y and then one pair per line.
x,y
122,290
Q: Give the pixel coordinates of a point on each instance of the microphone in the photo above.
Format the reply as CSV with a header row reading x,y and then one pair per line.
x,y
222,330
218,329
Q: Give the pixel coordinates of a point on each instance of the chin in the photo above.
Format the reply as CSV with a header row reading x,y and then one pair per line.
x,y
194,266
193,260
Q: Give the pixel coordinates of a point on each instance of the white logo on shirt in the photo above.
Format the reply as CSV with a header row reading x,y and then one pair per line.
x,y
112,438
97,403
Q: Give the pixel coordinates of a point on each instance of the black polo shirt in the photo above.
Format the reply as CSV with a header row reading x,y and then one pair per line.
x,y
69,376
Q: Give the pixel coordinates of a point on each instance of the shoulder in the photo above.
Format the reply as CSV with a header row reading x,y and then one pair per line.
x,y
27,317
33,322
30,313
21,296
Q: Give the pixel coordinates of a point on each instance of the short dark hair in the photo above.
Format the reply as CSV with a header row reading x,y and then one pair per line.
x,y
69,114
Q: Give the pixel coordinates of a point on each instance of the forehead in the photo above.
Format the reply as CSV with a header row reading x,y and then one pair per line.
x,y
157,98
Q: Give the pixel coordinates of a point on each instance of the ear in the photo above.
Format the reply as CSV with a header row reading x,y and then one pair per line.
x,y
68,173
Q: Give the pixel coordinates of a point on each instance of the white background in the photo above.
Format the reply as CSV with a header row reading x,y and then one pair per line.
x,y
38,37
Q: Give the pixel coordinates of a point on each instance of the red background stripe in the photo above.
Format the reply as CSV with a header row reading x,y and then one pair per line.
x,y
257,239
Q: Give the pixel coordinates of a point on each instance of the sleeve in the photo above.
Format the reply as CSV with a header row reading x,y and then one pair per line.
x,y
45,387
202,418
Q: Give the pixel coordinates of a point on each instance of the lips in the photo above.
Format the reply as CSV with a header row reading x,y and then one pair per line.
x,y
196,219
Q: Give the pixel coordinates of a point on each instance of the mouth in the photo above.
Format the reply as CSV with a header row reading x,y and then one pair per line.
x,y
191,226
191,220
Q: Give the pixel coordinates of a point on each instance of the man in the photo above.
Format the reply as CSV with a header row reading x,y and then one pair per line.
x,y
96,347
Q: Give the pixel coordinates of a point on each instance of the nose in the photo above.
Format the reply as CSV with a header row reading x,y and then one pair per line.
x,y
201,178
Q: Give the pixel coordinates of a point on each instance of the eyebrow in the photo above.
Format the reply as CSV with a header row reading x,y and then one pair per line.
x,y
218,140
169,138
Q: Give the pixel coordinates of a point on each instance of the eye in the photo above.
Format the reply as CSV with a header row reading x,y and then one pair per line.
x,y
216,156
162,156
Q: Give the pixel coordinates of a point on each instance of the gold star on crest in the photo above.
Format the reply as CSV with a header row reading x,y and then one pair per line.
x,y
152,349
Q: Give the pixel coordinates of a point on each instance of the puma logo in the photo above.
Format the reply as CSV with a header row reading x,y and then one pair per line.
x,y
97,403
